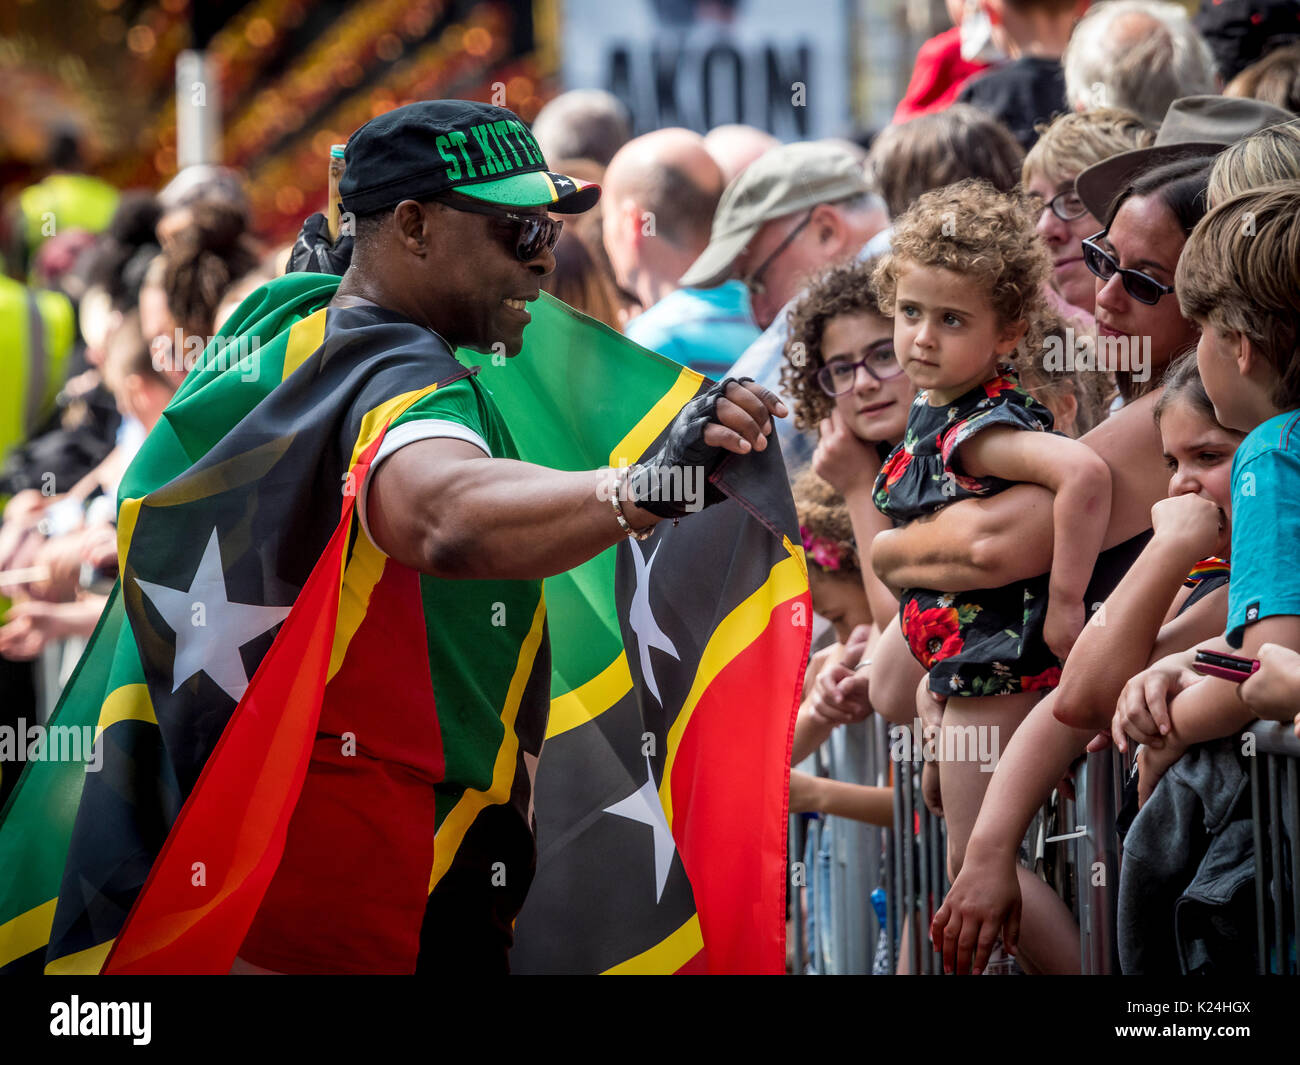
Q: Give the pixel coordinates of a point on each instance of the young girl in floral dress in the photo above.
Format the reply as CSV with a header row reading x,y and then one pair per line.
x,y
964,285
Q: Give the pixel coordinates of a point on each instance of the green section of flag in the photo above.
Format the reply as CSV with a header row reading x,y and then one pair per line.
x,y
573,394
37,823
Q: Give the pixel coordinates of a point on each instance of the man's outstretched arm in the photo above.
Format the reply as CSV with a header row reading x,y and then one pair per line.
x,y
443,507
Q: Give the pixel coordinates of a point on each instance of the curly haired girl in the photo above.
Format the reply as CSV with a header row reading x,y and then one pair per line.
x,y
964,285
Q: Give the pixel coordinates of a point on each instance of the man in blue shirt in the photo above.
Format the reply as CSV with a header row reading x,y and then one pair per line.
x,y
660,192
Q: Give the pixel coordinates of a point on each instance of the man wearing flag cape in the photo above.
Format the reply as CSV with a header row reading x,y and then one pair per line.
x,y
329,640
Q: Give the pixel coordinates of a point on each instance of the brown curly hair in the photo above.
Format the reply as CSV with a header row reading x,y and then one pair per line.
x,y
844,289
972,229
823,512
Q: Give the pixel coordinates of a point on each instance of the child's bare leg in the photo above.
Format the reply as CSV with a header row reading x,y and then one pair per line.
x,y
975,731
1049,936
904,966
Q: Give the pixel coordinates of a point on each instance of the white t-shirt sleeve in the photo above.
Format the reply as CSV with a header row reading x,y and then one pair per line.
x,y
408,433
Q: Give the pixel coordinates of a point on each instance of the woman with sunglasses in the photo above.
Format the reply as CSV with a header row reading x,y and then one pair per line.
x,y
1067,147
1133,260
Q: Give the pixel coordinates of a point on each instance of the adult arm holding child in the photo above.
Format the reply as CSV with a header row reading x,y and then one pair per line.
x,y
1081,483
990,542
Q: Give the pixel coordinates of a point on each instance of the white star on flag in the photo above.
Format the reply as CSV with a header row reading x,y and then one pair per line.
x,y
642,620
643,805
211,647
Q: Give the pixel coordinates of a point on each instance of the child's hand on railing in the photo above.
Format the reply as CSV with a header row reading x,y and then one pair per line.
x,y
840,693
983,903
1142,710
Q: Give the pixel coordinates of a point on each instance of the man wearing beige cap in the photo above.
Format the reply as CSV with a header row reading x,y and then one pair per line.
x,y
791,213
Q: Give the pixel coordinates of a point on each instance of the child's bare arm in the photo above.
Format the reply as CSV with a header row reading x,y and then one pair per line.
x,y
984,899
860,802
1080,481
1214,708
810,732
1117,643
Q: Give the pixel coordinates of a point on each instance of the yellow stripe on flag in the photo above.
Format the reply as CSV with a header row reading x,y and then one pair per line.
x,y
452,832
378,417
366,565
363,571
656,419
130,702
305,337
734,633
665,958
127,514
27,932
86,962
588,701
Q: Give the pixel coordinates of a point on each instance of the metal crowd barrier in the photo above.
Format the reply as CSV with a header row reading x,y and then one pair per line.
x,y
916,878
1275,815
1079,860
841,861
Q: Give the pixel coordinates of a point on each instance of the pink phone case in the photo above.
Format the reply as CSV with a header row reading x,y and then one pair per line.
x,y
1234,675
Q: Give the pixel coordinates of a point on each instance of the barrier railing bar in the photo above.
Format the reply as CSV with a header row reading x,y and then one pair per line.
x,y
1293,804
1275,851
1257,841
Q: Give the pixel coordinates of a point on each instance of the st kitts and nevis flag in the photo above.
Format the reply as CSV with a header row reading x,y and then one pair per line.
x,y
661,792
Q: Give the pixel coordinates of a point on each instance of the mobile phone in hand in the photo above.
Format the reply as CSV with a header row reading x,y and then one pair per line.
x,y
1225,667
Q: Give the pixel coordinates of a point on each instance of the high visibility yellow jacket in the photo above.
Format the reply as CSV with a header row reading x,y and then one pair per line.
x,y
37,330
62,202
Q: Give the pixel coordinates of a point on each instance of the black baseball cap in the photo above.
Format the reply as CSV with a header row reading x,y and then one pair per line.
x,y
424,149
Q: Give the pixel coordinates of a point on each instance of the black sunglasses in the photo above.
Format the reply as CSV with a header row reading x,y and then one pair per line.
x,y
838,378
535,234
1142,287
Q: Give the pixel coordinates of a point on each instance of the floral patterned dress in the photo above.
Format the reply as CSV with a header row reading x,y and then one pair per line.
x,y
986,642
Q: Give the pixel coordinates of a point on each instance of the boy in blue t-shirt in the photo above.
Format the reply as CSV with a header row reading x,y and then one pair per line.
x,y
1239,278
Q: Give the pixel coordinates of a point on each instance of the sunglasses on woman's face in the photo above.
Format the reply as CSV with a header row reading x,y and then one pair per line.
x,y
534,234
1142,287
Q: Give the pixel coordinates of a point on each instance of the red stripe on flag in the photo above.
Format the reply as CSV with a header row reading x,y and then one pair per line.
x,y
732,767
230,833
360,844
